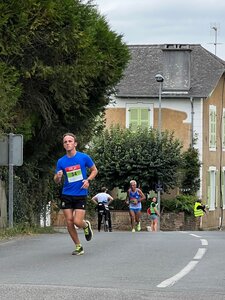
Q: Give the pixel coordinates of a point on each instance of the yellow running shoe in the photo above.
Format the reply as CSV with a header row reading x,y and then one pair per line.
x,y
78,250
138,226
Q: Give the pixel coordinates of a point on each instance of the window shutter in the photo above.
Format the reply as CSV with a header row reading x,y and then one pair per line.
x,y
212,127
133,118
139,117
222,187
208,189
144,118
223,129
217,190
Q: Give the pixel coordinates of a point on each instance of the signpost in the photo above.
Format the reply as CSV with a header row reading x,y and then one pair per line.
x,y
11,154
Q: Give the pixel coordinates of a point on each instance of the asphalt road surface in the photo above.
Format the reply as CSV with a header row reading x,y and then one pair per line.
x,y
116,265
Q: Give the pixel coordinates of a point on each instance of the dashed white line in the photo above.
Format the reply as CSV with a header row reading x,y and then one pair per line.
x,y
195,235
170,281
200,253
190,266
204,242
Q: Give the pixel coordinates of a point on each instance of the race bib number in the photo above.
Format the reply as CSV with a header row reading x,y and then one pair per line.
x,y
133,200
74,173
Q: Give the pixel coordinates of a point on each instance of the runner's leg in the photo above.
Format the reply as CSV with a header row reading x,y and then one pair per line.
x,y
68,213
137,216
99,221
78,217
110,221
132,218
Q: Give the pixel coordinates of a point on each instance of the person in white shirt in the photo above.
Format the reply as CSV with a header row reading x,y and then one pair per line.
x,y
105,199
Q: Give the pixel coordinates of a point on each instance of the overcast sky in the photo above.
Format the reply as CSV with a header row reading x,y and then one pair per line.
x,y
168,21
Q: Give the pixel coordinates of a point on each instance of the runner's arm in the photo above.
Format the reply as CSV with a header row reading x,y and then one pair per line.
x,y
142,195
58,176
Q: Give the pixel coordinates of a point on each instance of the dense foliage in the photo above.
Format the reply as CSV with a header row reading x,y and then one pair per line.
x,y
182,203
58,63
122,155
190,181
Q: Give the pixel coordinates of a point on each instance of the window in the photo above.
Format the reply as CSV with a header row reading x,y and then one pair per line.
x,y
176,68
139,116
212,127
223,130
211,184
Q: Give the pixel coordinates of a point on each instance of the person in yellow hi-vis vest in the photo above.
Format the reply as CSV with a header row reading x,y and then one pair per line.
x,y
199,210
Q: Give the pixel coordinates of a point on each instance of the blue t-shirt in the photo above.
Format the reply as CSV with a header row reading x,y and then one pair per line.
x,y
75,171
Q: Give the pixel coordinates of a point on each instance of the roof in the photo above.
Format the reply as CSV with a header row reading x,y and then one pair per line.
x,y
148,60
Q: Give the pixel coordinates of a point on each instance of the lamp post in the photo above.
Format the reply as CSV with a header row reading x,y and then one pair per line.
x,y
159,78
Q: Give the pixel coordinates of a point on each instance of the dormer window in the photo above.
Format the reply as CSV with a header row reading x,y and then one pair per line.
x,y
176,68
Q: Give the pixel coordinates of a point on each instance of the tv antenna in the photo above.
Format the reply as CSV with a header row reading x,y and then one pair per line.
x,y
215,30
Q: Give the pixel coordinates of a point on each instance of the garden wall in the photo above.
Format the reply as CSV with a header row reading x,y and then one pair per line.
x,y
121,221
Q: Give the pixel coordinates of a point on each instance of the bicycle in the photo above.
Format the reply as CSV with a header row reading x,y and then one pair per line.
x,y
104,217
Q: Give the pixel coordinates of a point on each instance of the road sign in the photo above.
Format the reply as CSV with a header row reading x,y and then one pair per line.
x,y
11,154
159,187
17,149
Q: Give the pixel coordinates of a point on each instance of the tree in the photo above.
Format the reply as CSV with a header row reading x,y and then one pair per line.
x,y
59,62
67,59
122,155
190,182
10,91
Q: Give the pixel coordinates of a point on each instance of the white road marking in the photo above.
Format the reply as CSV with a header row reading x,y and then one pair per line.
x,y
200,253
195,235
170,281
189,267
204,242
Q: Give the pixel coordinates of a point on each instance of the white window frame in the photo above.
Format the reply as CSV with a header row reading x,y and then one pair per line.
x,y
212,127
136,106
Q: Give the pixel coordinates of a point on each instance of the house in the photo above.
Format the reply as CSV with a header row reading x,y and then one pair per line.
x,y
192,104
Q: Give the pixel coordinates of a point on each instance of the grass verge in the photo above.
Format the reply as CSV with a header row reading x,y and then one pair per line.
x,y
22,230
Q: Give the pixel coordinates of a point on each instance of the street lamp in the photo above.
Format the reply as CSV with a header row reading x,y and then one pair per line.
x,y
159,78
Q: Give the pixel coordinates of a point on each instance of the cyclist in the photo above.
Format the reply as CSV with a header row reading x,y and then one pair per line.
x,y
105,199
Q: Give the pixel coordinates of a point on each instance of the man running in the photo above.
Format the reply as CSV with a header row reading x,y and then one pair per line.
x,y
73,168
134,198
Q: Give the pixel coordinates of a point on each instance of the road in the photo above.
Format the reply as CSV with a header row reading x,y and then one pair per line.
x,y
116,265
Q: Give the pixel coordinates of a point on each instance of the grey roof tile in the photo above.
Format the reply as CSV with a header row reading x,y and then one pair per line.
x,y
147,60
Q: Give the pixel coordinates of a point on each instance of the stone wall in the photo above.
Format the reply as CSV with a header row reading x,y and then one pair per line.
x,y
121,221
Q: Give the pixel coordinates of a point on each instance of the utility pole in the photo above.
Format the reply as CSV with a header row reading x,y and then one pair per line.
x,y
159,78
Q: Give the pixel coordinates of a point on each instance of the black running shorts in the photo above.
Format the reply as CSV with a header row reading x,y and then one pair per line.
x,y
73,202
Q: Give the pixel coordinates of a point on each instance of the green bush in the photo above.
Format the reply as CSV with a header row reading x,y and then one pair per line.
x,y
182,203
90,208
118,204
